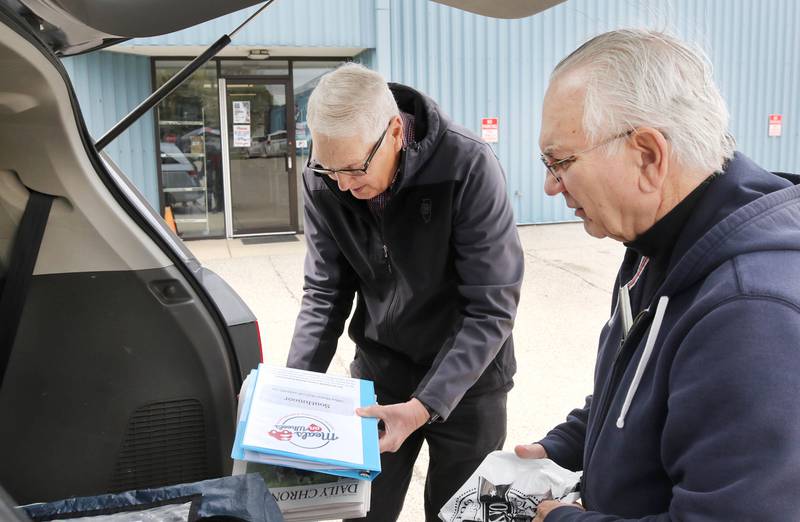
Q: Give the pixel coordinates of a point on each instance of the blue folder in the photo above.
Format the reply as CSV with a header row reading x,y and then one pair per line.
x,y
370,468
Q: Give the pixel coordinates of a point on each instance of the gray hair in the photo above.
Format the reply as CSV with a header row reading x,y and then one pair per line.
x,y
351,101
636,78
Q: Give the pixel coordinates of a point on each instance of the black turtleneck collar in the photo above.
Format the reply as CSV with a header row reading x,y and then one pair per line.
x,y
657,244
658,241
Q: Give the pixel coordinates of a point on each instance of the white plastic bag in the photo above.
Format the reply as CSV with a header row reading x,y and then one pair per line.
x,y
506,488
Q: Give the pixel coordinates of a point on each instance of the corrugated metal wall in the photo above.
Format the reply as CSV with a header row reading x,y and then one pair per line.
x,y
478,67
108,86
294,23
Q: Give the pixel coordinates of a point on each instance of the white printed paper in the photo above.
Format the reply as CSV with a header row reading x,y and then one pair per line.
x,y
241,112
306,414
241,135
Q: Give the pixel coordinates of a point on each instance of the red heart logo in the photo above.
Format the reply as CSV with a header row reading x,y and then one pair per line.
x,y
281,435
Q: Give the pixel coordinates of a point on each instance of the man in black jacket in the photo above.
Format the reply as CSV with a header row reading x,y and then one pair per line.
x,y
409,213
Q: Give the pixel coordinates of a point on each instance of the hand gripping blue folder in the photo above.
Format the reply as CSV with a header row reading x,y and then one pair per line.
x,y
368,470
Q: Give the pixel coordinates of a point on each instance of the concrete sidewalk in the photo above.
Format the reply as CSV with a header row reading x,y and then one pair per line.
x,y
566,299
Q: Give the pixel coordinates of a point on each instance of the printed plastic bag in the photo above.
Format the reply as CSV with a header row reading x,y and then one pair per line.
x,y
506,488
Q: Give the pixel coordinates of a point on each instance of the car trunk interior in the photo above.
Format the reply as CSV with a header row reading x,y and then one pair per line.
x,y
119,377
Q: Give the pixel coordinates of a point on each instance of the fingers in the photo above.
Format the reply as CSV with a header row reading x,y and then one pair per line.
x,y
522,451
389,443
385,444
544,508
530,451
375,410
396,426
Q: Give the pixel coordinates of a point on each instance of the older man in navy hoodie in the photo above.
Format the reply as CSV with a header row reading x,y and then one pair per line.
x,y
695,413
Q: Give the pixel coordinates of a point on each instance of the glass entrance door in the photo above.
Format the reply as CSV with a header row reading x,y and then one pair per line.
x,y
260,151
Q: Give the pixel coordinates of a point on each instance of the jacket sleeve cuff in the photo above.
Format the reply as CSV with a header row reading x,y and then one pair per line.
x,y
565,514
433,404
562,452
433,414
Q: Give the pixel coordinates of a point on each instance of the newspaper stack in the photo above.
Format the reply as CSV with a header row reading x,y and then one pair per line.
x,y
306,496
506,487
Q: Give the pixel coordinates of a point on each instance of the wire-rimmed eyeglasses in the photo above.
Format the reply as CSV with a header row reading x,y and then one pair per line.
x,y
560,166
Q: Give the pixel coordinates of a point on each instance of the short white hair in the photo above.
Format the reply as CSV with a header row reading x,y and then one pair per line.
x,y
351,101
639,78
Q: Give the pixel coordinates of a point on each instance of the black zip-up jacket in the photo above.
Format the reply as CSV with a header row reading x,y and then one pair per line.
x,y
437,278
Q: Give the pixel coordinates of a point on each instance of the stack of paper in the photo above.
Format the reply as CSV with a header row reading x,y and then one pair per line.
x,y
305,496
306,420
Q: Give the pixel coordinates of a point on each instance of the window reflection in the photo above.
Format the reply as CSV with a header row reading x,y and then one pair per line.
x,y
190,151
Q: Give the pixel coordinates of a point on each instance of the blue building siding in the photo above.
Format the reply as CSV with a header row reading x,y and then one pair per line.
x,y
108,86
478,67
294,23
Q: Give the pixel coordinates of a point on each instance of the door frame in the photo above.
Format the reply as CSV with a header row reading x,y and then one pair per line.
x,y
294,222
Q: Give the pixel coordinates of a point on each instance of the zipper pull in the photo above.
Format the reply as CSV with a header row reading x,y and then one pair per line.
x,y
386,257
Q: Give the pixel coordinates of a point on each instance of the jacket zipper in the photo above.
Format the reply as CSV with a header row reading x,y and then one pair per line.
x,y
610,391
386,257
380,227
388,261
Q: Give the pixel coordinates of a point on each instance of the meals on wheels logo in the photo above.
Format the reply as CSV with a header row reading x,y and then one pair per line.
x,y
303,431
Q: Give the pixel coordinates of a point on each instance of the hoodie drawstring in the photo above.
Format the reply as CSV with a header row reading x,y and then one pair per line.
x,y
663,301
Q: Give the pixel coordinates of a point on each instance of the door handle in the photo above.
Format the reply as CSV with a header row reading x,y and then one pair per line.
x,y
289,161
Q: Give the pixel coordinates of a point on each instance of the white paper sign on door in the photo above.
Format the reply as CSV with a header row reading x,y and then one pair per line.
x,y
241,135
241,112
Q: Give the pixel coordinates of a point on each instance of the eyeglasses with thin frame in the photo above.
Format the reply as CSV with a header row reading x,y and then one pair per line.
x,y
355,172
554,167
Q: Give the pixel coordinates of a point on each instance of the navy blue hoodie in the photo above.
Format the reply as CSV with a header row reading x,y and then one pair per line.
x,y
695,415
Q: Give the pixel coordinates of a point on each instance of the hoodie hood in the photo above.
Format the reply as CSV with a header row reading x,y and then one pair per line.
x,y
734,213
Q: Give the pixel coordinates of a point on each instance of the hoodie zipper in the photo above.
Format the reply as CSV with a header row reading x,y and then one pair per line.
x,y
631,340
644,359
